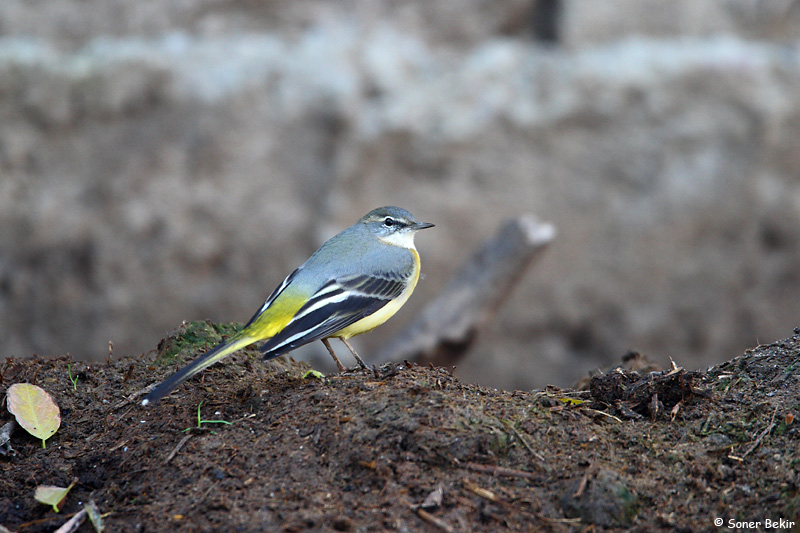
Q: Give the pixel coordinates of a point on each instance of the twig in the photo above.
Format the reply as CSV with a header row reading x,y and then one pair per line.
x,y
486,494
519,436
582,486
119,445
434,520
675,409
499,471
74,523
112,423
133,396
524,442
763,434
562,520
731,384
480,491
174,452
603,413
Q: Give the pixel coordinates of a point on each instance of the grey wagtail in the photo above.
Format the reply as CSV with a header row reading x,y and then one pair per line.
x,y
354,283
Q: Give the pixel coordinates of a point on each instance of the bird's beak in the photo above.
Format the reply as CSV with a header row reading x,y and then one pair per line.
x,y
421,225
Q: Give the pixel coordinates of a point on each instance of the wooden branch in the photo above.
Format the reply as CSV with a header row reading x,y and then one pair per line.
x,y
449,325
500,471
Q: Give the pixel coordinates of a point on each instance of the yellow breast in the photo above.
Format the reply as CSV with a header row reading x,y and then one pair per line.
x,y
383,314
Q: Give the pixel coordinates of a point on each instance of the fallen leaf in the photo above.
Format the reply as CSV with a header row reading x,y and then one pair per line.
x,y
5,438
434,499
34,410
572,401
94,516
50,495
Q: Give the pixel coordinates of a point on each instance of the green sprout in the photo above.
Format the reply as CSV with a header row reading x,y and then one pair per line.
x,y
313,374
74,380
200,420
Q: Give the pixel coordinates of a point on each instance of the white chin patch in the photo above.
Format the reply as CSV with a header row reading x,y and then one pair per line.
x,y
403,239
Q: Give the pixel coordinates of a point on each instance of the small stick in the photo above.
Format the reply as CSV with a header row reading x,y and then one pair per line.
x,y
483,493
74,523
602,413
499,471
119,445
581,486
133,396
434,521
762,434
524,441
172,455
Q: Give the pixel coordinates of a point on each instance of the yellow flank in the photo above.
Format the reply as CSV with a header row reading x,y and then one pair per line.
x,y
236,343
386,312
276,316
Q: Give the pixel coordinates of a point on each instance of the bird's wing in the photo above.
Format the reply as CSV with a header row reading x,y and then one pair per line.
x,y
266,322
336,305
277,292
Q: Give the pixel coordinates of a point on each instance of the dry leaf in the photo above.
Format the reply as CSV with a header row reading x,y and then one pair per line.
x,y
5,438
94,516
34,410
434,499
50,495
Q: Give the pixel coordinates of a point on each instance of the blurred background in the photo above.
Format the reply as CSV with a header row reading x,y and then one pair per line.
x,y
167,161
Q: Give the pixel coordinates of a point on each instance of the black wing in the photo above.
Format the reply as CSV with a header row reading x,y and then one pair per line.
x,y
335,306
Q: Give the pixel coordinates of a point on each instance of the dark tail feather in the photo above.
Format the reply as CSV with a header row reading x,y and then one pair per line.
x,y
217,353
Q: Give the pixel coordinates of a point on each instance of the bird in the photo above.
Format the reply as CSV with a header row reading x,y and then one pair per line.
x,y
353,283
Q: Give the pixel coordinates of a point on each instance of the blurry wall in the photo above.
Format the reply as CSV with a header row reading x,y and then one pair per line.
x,y
162,161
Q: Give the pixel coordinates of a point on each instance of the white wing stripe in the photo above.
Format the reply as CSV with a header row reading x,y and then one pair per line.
x,y
322,303
269,301
332,287
288,341
315,307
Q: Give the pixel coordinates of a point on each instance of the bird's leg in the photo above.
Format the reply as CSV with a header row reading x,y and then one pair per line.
x,y
353,351
330,351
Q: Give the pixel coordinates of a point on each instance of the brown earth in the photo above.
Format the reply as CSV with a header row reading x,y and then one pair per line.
x,y
407,448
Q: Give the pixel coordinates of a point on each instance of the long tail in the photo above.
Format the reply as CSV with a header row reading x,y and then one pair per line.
x,y
217,353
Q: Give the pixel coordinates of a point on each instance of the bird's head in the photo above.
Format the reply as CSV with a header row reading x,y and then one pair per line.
x,y
393,225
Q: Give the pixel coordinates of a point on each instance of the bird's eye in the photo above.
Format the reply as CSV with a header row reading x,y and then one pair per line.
x,y
388,222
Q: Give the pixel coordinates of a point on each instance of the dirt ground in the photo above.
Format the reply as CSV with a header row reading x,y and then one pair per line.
x,y
408,448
